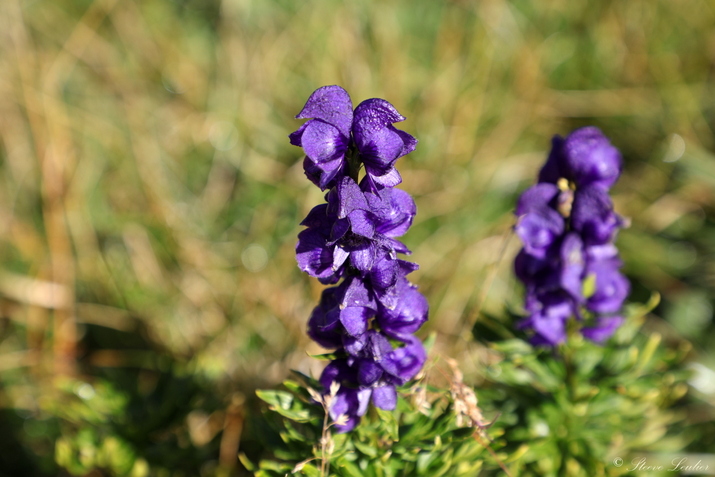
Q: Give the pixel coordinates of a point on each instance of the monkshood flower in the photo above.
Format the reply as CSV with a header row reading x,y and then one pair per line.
x,y
569,264
369,317
336,139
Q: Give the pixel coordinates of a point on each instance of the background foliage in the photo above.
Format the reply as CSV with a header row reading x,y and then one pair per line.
x,y
149,198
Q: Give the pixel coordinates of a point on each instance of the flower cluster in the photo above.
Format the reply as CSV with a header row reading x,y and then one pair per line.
x,y
569,264
370,316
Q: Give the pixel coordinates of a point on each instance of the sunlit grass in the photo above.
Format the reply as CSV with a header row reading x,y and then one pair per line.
x,y
147,185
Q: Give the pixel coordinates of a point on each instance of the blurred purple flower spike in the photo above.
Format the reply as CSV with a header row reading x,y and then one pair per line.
x,y
567,225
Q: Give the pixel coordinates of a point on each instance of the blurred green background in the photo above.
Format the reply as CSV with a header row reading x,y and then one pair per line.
x,y
150,200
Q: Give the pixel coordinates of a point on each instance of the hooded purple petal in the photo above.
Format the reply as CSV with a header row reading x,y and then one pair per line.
x,y
331,104
593,217
590,159
385,397
553,170
323,324
322,142
404,363
409,313
393,210
378,142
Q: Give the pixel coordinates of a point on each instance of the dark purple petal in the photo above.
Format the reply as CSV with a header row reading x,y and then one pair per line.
x,y
340,255
548,319
362,223
340,228
612,287
593,217
324,175
604,328
349,197
356,293
351,403
385,397
539,230
393,209
323,325
572,265
378,142
331,104
369,372
404,363
409,143
385,271
590,159
355,344
539,224
355,319
337,371
537,198
409,313
378,179
317,218
363,256
315,257
553,170
295,137
322,142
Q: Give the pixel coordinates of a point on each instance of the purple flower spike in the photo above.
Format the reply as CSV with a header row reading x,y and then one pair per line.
x,y
567,225
354,237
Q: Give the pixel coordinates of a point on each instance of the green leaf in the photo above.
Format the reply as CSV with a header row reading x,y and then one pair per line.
x,y
246,463
278,399
327,356
389,421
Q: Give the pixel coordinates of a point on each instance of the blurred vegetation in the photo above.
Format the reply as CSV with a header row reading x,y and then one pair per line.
x,y
149,199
